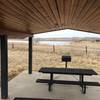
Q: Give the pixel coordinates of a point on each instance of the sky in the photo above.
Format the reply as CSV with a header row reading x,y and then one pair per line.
x,y
66,34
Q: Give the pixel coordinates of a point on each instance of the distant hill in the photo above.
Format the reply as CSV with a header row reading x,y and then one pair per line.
x,y
67,39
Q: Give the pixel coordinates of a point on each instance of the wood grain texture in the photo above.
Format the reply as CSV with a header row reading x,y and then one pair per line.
x,y
20,18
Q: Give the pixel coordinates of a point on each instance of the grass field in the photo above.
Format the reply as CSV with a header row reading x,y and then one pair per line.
x,y
44,56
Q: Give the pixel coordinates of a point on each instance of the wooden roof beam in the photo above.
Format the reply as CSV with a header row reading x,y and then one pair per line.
x,y
15,33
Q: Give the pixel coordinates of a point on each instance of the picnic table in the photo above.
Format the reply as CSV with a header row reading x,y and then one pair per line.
x,y
68,71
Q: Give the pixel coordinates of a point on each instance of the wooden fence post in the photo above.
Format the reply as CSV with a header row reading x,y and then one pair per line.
x,y
53,48
86,49
12,45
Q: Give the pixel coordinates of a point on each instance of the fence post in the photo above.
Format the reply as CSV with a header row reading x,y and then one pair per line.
x,y
86,49
53,48
12,45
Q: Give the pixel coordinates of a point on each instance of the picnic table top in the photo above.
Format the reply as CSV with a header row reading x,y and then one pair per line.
x,y
75,71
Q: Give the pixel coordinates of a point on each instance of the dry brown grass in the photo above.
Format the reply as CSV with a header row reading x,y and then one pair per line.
x,y
43,56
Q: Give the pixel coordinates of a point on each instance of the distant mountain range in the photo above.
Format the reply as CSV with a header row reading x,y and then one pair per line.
x,y
67,39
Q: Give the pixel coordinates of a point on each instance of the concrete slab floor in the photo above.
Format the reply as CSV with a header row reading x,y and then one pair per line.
x,y
24,85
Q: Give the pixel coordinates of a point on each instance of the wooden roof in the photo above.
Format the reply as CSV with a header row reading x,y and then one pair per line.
x,y
21,18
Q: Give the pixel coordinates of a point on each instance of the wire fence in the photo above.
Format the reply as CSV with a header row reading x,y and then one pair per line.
x,y
65,49
68,49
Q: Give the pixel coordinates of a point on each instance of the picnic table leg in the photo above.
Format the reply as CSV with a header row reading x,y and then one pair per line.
x,y
81,79
84,89
66,64
51,81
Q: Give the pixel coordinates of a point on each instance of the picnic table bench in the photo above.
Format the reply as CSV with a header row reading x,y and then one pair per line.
x,y
69,71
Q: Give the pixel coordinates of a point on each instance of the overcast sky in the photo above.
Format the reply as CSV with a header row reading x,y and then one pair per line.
x,y
65,34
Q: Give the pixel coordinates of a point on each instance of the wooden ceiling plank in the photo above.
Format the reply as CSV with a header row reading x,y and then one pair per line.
x,y
67,12
40,8
9,13
75,6
48,12
80,6
93,13
20,17
38,26
53,7
82,16
17,15
8,7
35,12
13,19
61,8
13,23
92,21
29,15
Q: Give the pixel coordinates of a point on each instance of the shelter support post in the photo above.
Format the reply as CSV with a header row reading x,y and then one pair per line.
x,y
4,66
30,56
